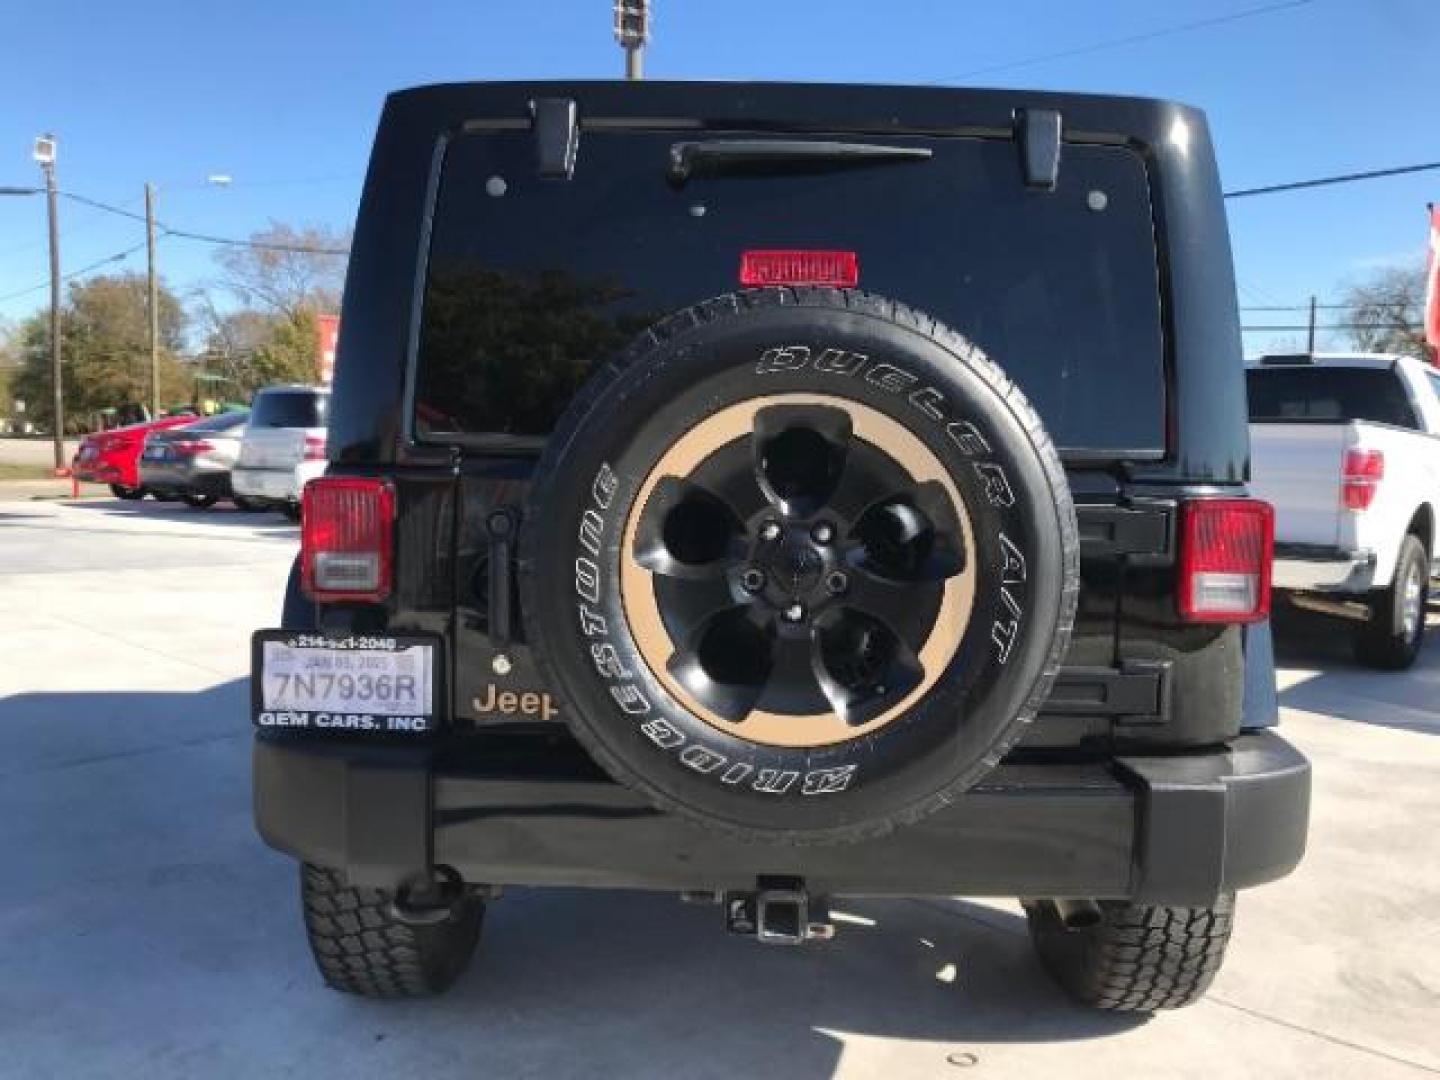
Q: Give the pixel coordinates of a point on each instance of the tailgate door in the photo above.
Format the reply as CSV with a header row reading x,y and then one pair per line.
x,y
1296,468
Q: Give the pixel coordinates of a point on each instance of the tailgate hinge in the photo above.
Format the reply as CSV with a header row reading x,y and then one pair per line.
x,y
1040,147
1135,693
557,136
1137,529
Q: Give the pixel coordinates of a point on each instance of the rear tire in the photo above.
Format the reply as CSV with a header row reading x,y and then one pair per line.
x,y
199,502
129,494
1391,639
291,512
1139,957
361,948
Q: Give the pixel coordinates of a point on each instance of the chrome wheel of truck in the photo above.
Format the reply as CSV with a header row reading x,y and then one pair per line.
x,y
1392,636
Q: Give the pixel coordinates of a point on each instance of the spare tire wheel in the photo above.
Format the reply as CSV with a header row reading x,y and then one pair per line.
x,y
801,564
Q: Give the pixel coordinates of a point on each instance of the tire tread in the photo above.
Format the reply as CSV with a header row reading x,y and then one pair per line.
x,y
1141,958
361,948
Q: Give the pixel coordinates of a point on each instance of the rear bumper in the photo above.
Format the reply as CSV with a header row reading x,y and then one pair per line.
x,y
1177,830
1315,568
98,472
281,484
187,479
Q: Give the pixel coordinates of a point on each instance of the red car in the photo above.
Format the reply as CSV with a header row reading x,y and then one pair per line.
x,y
113,457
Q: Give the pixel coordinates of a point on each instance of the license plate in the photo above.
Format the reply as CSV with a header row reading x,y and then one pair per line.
x,y
344,684
155,453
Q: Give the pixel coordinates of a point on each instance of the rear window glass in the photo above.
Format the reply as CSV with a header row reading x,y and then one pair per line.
x,y
1328,394
533,282
222,422
289,409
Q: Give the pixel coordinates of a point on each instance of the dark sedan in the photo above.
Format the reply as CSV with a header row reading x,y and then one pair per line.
x,y
193,463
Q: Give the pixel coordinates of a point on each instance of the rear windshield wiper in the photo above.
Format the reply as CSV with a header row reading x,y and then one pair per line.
x,y
715,156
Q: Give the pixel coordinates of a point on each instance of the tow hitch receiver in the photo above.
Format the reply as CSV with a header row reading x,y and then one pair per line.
x,y
778,913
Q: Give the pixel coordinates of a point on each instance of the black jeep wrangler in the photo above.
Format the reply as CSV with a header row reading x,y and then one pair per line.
x,y
775,492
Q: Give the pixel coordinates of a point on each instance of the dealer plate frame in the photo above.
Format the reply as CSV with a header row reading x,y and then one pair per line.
x,y
381,726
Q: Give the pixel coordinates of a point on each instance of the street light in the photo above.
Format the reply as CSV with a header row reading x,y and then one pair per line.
x,y
632,31
44,155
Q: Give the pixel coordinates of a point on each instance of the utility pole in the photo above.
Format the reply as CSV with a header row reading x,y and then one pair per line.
x,y
154,302
45,155
1311,347
632,31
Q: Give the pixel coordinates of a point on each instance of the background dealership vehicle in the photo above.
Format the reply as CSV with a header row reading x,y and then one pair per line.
x,y
1345,446
113,457
192,463
621,577
283,446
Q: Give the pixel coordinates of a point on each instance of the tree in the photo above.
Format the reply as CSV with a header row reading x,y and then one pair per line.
x,y
288,269
1386,311
292,353
9,366
105,351
252,349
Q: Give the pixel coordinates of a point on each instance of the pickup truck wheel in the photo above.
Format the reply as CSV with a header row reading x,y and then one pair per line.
x,y
199,502
1137,957
129,494
1392,637
361,948
802,564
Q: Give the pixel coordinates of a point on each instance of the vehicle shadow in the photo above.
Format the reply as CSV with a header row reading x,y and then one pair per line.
x,y
223,514
125,829
681,997
1344,688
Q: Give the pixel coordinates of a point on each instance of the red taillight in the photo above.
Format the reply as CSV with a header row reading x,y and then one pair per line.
x,y
346,524
191,447
1364,469
1226,550
837,268
314,448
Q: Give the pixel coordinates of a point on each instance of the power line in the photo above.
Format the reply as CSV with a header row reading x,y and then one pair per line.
x,y
262,245
1325,181
119,256
102,205
1135,39
1327,327
1323,307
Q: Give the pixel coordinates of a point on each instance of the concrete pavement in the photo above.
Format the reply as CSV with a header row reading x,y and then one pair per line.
x,y
144,930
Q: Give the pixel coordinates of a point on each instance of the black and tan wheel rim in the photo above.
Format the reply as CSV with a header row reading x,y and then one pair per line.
x,y
797,570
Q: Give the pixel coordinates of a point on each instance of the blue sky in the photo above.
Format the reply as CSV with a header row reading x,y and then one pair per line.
x,y
284,97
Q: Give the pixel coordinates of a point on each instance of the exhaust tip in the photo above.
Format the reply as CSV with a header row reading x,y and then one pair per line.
x,y
1082,920
1079,914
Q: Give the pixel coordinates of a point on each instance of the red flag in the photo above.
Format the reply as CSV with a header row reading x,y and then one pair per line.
x,y
327,327
1432,286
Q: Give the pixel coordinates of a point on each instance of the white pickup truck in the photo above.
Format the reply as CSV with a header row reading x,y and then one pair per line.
x,y
1347,449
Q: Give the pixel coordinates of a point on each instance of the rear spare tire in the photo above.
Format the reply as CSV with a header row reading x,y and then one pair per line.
x,y
802,564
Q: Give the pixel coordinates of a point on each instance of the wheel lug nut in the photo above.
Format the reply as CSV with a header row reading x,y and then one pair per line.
x,y
752,579
836,582
823,533
794,612
770,530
